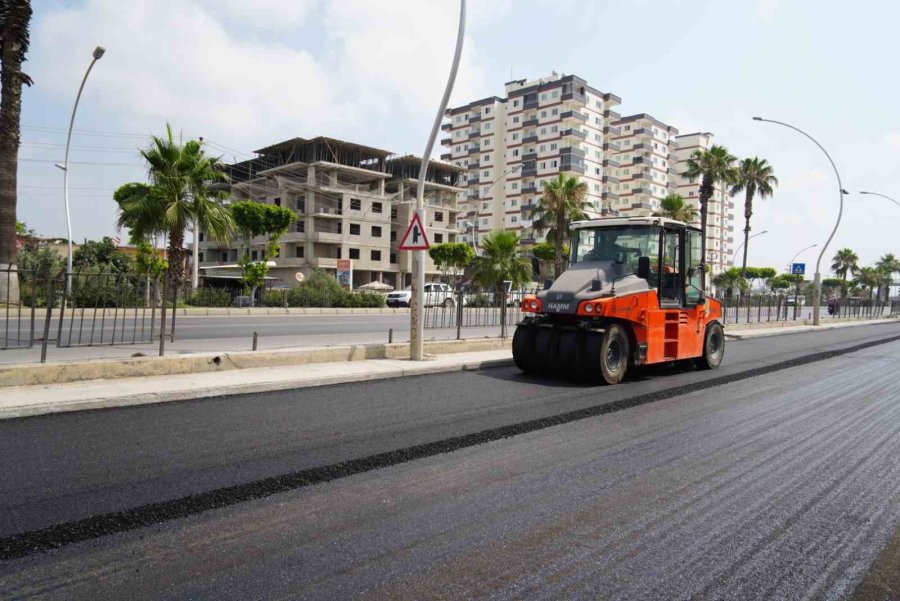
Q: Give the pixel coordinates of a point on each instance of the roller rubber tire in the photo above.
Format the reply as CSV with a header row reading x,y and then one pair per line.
x,y
606,355
713,347
545,350
523,347
568,351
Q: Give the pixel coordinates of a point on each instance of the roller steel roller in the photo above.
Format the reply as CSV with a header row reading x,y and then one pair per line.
x,y
632,295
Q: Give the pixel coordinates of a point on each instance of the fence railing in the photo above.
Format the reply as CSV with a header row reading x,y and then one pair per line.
x,y
475,308
771,308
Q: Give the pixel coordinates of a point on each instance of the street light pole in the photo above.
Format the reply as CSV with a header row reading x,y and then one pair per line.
x,y
791,262
817,282
98,53
883,196
416,325
741,245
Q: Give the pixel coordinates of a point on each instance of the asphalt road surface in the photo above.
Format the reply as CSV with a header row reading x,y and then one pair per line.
x,y
779,483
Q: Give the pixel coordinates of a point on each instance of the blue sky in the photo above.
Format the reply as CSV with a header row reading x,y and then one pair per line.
x,y
246,74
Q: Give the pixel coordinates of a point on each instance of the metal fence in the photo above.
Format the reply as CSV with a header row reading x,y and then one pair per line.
x,y
78,309
772,308
476,308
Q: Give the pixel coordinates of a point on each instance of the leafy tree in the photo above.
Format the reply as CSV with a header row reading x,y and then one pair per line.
x,y
675,207
730,280
711,167
15,16
452,258
564,200
784,281
844,263
39,262
501,261
545,253
755,178
101,256
867,278
829,285
254,219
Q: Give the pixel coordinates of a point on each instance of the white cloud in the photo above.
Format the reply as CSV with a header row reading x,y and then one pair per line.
x,y
185,62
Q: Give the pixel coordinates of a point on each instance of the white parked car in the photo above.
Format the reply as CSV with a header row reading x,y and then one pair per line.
x,y
436,295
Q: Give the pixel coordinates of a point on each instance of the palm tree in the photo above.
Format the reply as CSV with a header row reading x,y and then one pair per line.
x,y
179,174
845,262
15,16
564,200
867,278
887,265
674,207
731,279
713,166
207,202
754,177
501,261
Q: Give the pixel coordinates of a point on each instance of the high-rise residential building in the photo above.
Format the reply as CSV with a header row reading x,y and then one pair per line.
x,y
644,153
352,202
720,209
509,145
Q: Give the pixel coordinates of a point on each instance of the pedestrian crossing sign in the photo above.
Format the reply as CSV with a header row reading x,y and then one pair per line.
x,y
798,268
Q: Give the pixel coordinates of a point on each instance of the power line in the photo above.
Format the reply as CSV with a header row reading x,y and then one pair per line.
x,y
86,163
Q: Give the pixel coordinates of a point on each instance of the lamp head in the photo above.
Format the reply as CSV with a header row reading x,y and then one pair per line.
x,y
865,192
844,191
98,52
757,118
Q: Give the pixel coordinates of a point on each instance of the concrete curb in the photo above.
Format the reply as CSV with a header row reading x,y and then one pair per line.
x,y
798,328
149,398
105,369
226,311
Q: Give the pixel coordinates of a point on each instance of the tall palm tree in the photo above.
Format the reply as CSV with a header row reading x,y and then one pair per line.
x,y
867,278
755,178
15,16
711,167
844,262
564,200
178,197
731,279
501,260
887,265
675,207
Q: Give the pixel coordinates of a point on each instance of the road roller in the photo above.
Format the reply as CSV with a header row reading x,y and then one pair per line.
x,y
632,295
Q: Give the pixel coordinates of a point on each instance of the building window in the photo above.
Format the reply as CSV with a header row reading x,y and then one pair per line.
x,y
485,173
486,158
354,253
376,231
515,152
300,226
253,255
355,204
393,235
553,147
543,114
393,257
200,257
438,238
337,252
515,103
376,207
225,254
514,219
298,252
515,136
375,255
393,212
516,119
438,216
354,229
278,202
487,110
201,236
554,112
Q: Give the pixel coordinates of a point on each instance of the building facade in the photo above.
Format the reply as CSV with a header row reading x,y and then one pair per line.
x,y
509,145
720,210
645,171
351,202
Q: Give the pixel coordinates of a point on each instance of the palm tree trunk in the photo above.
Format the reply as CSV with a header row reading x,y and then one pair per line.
x,y
195,263
748,212
560,224
10,113
176,257
706,192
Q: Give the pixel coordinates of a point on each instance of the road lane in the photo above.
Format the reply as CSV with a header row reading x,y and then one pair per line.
x,y
781,487
71,466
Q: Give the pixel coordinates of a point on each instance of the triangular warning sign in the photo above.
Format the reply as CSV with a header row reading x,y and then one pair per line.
x,y
415,237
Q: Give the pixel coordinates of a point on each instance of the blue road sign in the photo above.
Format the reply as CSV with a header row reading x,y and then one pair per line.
x,y
798,268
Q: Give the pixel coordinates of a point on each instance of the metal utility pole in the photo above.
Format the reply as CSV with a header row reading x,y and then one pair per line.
x,y
817,281
98,53
416,325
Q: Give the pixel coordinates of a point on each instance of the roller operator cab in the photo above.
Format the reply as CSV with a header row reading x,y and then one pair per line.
x,y
632,295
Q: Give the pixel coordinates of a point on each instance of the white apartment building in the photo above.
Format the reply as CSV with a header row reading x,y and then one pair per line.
x,y
645,171
557,124
720,211
352,202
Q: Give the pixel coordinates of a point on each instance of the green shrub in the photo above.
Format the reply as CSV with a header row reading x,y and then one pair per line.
x,y
210,297
274,298
480,300
366,299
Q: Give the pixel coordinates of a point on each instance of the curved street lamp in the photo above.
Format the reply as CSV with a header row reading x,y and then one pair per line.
x,y
883,196
818,275
98,54
741,245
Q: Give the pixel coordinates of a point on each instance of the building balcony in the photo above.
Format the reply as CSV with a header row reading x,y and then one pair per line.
x,y
576,133
474,164
574,96
529,172
446,126
475,117
530,156
446,141
474,180
473,194
318,210
530,122
530,103
529,189
531,139
447,156
474,134
574,115
327,237
528,207
572,150
573,167
474,149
